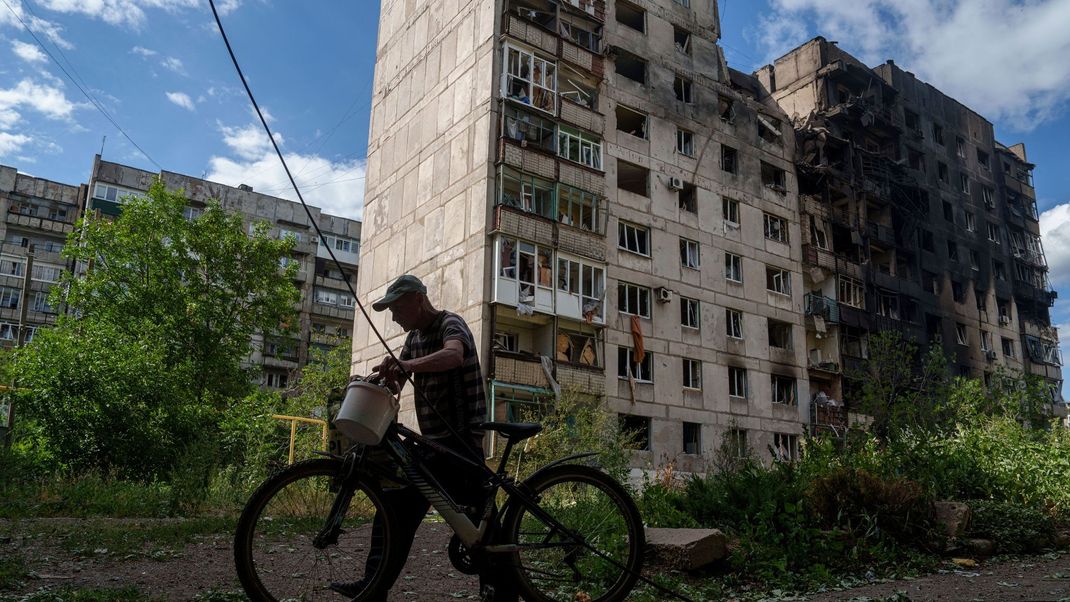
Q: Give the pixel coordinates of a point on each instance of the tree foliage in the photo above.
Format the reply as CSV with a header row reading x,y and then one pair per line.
x,y
150,357
203,284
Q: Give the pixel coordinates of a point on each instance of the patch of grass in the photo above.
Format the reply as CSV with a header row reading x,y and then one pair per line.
x,y
12,571
156,539
71,594
84,496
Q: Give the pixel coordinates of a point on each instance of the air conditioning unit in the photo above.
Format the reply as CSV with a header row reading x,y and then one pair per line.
x,y
1004,320
664,294
990,354
676,184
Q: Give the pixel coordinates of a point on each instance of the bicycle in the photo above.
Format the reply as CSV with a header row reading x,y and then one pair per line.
x,y
568,532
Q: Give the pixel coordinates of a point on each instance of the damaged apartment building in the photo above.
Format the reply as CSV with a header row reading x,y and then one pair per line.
x,y
609,207
914,219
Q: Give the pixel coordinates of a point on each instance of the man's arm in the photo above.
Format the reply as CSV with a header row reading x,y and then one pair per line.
x,y
449,357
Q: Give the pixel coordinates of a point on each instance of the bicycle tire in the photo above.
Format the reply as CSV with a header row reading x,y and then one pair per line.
x,y
283,516
618,533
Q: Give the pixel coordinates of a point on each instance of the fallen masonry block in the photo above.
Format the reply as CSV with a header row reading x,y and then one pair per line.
x,y
953,517
686,549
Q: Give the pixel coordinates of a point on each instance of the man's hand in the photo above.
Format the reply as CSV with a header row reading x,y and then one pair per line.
x,y
390,372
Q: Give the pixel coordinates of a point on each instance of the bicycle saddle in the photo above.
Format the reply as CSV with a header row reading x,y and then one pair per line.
x,y
513,430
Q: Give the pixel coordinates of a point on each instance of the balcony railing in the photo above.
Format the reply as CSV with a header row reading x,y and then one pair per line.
x,y
818,305
519,370
544,231
823,258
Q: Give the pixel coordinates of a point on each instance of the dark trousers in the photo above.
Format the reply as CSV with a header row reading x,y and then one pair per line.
x,y
410,507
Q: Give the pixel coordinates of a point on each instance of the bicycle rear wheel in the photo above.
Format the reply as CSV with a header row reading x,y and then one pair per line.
x,y
275,551
598,555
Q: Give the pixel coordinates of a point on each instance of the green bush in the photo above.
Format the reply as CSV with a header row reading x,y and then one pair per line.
x,y
1015,528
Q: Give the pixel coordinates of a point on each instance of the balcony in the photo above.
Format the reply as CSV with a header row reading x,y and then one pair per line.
x,y
530,32
528,160
526,225
591,8
823,258
333,311
334,283
824,307
813,206
581,379
58,226
582,58
519,369
581,116
881,233
584,179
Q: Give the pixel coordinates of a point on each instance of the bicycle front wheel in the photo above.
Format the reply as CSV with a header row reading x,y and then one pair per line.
x,y
588,547
285,550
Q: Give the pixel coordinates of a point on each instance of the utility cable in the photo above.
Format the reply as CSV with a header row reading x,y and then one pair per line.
x,y
74,81
308,212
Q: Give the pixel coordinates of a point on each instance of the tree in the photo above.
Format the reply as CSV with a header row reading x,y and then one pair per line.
x,y
203,284
150,357
902,388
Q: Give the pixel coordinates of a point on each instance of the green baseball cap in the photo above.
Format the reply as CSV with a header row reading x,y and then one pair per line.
x,y
404,284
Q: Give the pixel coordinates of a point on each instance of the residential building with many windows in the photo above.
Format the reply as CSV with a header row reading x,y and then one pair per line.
x,y
575,177
914,219
38,215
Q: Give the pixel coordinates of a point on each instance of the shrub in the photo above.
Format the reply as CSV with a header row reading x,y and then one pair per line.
x,y
1015,528
857,500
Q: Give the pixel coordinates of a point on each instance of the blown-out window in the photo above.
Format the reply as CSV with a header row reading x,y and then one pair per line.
x,y
530,79
578,146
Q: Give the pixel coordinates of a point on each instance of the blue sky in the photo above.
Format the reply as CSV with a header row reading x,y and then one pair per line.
x,y
159,68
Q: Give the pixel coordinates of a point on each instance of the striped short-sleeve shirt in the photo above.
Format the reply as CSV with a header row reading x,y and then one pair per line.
x,y
457,394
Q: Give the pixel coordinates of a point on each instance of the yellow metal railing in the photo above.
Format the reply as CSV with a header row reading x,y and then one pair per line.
x,y
293,429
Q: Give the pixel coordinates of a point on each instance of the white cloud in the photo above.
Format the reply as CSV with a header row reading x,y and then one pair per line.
x,y
12,143
15,16
336,187
1003,58
172,64
129,13
49,100
143,52
181,99
28,52
1055,232
249,142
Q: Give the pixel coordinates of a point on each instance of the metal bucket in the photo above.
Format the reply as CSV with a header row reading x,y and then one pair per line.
x,y
366,412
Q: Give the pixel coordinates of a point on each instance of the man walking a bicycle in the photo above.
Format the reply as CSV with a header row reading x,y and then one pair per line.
x,y
440,355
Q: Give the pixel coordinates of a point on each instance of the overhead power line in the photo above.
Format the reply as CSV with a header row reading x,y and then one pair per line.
x,y
78,85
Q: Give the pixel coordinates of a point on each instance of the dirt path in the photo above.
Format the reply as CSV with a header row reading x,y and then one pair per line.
x,y
53,556
1044,578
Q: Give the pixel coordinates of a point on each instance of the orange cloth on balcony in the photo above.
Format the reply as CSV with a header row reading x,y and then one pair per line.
x,y
637,341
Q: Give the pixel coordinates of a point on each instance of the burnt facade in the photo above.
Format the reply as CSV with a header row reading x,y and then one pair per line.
x,y
915,219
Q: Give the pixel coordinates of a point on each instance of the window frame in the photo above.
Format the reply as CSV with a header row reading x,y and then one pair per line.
x,y
733,324
642,298
737,382
690,313
784,390
549,105
588,147
733,263
776,227
690,254
691,372
633,235
645,371
779,278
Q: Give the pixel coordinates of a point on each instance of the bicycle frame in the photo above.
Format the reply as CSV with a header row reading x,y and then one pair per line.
x,y
473,536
